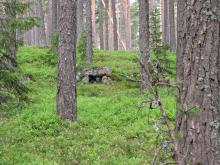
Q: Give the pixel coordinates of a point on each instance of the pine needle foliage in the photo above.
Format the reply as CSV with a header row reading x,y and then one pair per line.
x,y
161,65
12,26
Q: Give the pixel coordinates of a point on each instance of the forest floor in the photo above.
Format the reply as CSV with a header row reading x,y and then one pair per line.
x,y
111,129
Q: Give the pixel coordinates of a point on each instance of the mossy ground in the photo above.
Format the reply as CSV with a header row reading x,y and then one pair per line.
x,y
111,128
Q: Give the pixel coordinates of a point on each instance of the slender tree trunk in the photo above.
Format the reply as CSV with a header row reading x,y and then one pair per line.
x,y
101,24
115,28
198,114
110,27
122,25
36,42
165,22
144,40
89,31
28,33
80,22
54,16
162,15
42,32
172,25
49,21
152,5
66,87
106,25
32,31
94,23
128,25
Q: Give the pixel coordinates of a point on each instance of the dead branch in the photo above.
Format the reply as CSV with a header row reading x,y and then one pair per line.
x,y
171,132
130,78
169,163
156,152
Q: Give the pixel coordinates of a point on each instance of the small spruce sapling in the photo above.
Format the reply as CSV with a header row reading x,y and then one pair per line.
x,y
160,63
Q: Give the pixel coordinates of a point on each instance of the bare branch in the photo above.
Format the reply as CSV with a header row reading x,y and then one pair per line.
x,y
171,132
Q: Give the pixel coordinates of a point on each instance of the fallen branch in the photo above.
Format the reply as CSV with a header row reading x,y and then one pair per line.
x,y
130,78
169,163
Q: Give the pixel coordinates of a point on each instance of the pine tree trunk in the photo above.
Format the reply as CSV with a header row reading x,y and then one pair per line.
x,y
165,22
122,25
172,25
54,16
101,24
27,36
110,27
198,115
89,31
49,22
152,5
80,22
32,31
66,87
128,25
42,32
94,23
115,28
144,40
106,25
162,15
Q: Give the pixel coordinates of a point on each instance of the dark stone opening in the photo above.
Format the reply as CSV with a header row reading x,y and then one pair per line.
x,y
93,78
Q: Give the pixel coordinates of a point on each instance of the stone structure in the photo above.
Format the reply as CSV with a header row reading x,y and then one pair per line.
x,y
98,75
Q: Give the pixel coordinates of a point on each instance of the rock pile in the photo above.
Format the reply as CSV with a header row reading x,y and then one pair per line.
x,y
98,75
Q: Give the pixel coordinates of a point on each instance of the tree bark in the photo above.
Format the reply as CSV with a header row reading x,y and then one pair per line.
x,y
49,22
110,27
165,22
115,28
66,86
94,23
172,26
106,25
152,5
128,25
162,15
122,25
36,42
54,16
198,108
101,24
88,31
42,32
144,40
80,22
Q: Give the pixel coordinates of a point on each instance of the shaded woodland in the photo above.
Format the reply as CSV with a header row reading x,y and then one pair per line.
x,y
110,82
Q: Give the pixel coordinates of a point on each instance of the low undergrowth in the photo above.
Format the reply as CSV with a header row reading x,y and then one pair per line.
x,y
112,127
